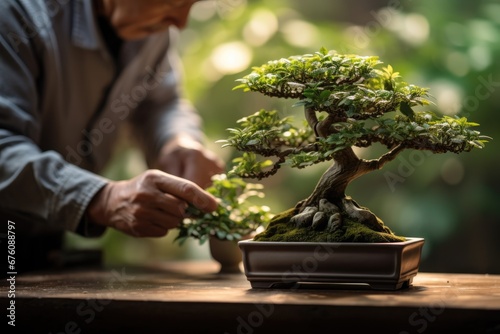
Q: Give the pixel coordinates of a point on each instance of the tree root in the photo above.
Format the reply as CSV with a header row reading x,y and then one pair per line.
x,y
329,216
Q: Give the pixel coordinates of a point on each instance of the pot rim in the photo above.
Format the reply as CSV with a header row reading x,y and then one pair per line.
x,y
409,240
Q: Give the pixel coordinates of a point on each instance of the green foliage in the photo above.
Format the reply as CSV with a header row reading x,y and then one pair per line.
x,y
342,84
236,215
265,131
426,131
423,131
364,104
248,165
290,77
267,134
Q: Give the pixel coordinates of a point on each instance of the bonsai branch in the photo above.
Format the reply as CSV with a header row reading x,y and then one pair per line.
x,y
376,164
322,128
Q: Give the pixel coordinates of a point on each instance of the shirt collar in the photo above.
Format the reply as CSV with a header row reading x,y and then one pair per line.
x,y
84,31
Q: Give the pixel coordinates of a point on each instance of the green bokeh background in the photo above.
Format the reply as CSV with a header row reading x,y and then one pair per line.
x,y
450,46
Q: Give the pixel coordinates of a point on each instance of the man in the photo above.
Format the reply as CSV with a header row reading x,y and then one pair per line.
x,y
73,74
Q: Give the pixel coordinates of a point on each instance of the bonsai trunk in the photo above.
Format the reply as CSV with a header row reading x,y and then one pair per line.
x,y
328,204
331,188
333,183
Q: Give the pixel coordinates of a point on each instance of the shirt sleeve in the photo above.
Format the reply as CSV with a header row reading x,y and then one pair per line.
x,y
38,185
165,113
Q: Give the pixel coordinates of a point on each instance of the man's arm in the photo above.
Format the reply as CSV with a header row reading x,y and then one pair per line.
x,y
40,186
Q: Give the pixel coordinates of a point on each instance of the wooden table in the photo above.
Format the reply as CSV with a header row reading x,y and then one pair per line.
x,y
191,297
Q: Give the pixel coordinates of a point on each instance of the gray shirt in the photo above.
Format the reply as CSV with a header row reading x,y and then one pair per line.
x,y
63,99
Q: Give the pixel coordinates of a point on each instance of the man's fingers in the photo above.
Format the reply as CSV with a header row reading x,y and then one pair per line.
x,y
148,222
187,191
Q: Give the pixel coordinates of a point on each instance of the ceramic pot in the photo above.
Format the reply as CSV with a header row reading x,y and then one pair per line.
x,y
380,266
227,253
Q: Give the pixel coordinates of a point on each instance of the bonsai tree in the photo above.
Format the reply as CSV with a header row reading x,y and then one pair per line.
x,y
348,101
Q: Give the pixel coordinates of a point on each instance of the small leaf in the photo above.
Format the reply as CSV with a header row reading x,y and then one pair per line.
x,y
221,234
405,108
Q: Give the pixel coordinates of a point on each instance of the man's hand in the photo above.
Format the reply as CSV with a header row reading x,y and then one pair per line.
x,y
187,158
147,205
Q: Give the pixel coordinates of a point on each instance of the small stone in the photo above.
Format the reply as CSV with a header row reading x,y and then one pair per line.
x,y
334,222
309,209
304,218
319,220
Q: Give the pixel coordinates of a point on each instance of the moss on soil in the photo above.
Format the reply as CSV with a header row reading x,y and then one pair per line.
x,y
351,231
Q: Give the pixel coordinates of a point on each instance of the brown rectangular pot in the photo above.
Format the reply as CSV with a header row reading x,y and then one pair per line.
x,y
381,266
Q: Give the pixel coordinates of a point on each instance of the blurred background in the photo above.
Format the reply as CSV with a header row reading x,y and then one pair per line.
x,y
450,46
